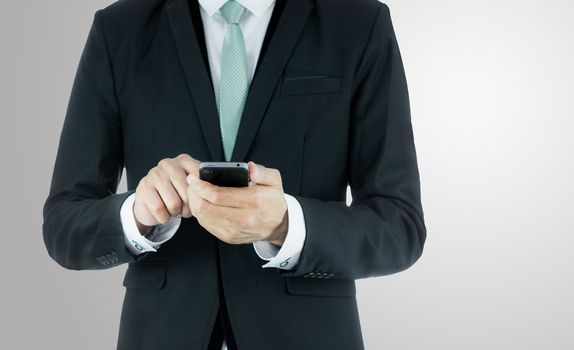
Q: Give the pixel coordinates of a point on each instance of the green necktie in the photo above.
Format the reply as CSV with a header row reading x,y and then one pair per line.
x,y
234,81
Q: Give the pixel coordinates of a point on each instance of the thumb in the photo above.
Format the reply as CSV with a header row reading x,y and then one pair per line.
x,y
262,175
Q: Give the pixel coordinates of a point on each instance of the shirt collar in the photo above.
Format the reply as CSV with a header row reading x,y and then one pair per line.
x,y
257,7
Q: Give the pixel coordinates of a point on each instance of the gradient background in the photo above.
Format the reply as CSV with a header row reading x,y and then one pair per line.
x,y
491,86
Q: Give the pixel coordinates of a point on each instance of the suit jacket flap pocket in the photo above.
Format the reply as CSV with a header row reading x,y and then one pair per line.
x,y
145,277
319,84
320,287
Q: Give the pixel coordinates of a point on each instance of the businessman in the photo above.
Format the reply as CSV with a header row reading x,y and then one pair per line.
x,y
312,94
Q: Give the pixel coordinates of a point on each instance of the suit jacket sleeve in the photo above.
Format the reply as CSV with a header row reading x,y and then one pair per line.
x,y
383,230
82,227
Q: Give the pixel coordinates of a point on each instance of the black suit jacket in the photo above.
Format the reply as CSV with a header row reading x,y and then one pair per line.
x,y
328,106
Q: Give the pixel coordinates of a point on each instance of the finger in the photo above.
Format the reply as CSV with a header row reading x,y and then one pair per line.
x,y
176,174
234,197
140,209
227,224
155,206
264,176
167,192
181,189
188,163
192,200
223,217
199,207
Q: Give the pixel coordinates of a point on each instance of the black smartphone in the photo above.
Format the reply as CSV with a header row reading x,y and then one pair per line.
x,y
225,174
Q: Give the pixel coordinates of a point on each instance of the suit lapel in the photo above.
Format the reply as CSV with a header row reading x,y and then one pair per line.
x,y
267,75
269,71
198,78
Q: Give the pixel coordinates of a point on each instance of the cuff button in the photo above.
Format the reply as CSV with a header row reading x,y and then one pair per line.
x,y
285,262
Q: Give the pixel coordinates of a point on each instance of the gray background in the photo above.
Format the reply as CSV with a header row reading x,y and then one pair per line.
x,y
491,85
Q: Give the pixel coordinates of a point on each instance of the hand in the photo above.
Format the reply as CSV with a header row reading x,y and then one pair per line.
x,y
239,215
162,194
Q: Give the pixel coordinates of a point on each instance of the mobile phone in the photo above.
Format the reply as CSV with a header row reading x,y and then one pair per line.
x,y
225,174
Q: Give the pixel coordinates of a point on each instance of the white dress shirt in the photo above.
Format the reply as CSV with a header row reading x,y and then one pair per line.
x,y
254,26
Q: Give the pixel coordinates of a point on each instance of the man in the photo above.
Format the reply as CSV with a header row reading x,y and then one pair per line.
x,y
313,94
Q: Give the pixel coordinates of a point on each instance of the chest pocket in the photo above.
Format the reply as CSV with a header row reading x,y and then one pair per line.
x,y
310,84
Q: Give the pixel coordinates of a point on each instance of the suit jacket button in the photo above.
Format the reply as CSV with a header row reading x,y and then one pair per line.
x,y
102,260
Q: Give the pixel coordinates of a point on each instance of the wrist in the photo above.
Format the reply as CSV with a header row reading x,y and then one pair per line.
x,y
143,228
278,236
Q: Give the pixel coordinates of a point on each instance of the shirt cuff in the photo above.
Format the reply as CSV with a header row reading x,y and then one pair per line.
x,y
287,256
134,240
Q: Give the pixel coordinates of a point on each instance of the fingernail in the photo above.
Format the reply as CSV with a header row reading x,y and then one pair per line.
x,y
189,178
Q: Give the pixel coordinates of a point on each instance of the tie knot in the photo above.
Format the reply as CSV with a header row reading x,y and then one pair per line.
x,y
232,11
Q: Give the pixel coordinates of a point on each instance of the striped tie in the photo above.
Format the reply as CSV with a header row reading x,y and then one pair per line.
x,y
234,80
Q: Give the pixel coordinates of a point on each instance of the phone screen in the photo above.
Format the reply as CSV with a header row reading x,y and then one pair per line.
x,y
232,174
